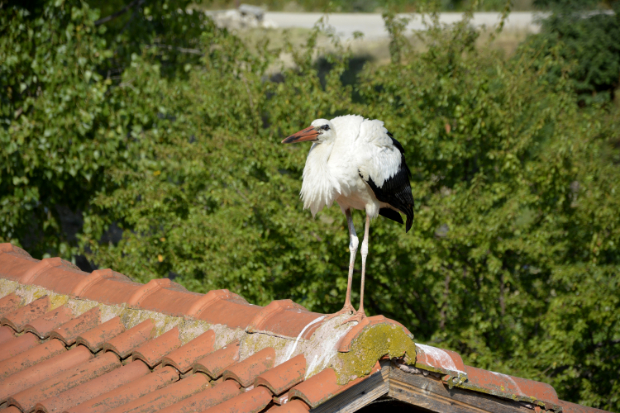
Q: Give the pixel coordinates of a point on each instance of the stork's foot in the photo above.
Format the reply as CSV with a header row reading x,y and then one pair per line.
x,y
347,309
359,316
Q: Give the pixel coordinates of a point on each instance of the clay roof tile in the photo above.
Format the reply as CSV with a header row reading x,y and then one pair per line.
x,y
54,274
6,334
294,406
124,394
152,351
124,343
43,325
252,401
94,388
498,383
18,345
18,382
215,363
69,331
20,317
246,371
30,357
82,373
568,407
323,386
166,396
95,337
9,304
281,378
207,398
184,357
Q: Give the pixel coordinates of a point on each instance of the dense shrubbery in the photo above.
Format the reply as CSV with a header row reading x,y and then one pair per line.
x,y
587,38
514,255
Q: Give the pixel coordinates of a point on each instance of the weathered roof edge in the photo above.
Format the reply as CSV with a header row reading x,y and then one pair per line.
x,y
351,352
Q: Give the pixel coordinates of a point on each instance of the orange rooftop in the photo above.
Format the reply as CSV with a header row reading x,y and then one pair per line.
x,y
71,341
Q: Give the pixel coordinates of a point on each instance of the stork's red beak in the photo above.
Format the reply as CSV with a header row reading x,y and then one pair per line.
x,y
308,134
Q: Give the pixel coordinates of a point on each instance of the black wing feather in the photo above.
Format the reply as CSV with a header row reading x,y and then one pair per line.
x,y
396,191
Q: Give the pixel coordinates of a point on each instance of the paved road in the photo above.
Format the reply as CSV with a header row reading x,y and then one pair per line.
x,y
371,24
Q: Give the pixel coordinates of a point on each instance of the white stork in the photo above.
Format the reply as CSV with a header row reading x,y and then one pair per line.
x,y
357,163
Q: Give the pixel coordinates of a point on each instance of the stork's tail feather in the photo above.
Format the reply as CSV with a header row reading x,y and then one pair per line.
x,y
409,223
391,214
409,214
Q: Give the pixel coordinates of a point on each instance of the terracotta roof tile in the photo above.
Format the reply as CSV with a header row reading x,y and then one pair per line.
x,y
323,386
276,318
90,281
54,274
368,322
94,388
27,399
499,383
96,337
294,406
184,357
43,325
154,350
206,398
281,378
107,287
166,396
9,304
19,318
69,331
126,342
30,357
18,345
25,379
201,305
162,295
246,371
132,391
278,358
14,262
215,363
568,407
6,334
252,401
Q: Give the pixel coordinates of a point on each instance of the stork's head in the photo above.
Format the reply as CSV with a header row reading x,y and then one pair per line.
x,y
320,130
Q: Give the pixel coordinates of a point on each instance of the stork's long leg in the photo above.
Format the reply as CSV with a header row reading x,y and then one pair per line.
x,y
364,255
360,314
353,243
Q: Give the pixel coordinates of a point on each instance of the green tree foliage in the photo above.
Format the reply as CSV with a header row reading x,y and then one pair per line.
x,y
513,259
588,37
60,129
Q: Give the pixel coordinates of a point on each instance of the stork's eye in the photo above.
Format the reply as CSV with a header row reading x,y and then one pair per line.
x,y
325,127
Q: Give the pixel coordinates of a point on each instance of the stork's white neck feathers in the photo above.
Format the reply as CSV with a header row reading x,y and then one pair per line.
x,y
324,181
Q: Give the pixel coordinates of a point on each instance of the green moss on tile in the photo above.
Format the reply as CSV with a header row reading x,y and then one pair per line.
x,y
369,346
